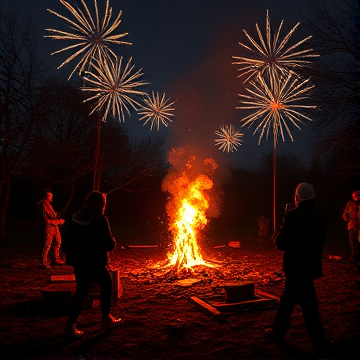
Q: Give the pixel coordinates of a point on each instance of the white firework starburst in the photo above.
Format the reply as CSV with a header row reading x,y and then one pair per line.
x,y
156,110
274,106
228,138
91,35
115,87
270,57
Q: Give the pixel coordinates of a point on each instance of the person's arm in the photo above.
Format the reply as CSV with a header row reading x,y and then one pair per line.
x,y
108,241
346,214
54,222
49,216
284,234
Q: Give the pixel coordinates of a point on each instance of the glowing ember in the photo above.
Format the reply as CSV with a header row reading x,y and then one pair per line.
x,y
187,207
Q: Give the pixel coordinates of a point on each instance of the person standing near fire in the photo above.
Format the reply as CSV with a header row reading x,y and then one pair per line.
x,y
301,237
352,216
87,246
51,230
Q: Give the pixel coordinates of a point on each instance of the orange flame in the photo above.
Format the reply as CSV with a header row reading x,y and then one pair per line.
x,y
187,208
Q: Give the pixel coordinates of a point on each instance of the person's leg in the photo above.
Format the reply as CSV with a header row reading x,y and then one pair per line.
x,y
283,314
47,245
103,279
83,285
310,308
57,245
353,244
356,240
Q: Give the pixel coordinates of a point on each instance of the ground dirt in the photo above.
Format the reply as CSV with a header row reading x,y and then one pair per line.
x,y
160,321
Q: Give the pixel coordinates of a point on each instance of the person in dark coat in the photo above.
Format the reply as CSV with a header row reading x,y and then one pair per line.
x,y
87,246
301,237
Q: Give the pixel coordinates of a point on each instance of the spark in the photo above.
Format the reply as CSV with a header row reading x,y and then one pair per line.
x,y
156,110
92,37
229,138
274,106
271,58
114,87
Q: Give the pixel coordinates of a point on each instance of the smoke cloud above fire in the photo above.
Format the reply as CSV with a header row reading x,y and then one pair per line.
x,y
206,97
186,168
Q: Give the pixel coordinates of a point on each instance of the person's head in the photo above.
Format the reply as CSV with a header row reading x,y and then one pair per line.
x,y
49,196
303,192
96,201
356,196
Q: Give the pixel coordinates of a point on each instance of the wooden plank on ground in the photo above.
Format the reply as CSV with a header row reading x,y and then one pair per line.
x,y
62,278
251,304
262,300
265,294
57,295
205,305
143,246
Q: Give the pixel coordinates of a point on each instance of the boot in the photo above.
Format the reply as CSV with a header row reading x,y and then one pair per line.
x,y
60,261
277,339
108,321
72,333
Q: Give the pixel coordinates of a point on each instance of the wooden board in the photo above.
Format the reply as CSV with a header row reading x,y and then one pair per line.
x,y
262,300
58,295
205,305
143,246
239,291
94,296
62,278
117,289
187,282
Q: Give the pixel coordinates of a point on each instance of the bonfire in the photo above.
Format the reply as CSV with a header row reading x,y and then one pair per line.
x,y
188,183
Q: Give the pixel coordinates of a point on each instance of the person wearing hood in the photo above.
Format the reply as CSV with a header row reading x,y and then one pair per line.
x,y
352,216
87,249
301,237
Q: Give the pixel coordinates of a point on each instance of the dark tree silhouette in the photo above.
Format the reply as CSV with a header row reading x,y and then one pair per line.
x,y
124,162
337,78
21,72
61,151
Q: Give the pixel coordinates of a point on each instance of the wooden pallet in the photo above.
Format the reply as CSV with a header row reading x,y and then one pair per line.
x,y
57,296
217,304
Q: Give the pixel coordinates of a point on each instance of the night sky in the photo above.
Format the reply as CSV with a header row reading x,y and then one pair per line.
x,y
185,48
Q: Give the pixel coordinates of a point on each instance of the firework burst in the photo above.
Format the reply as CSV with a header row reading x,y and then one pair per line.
x,y
274,106
92,36
270,57
156,110
115,87
229,138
